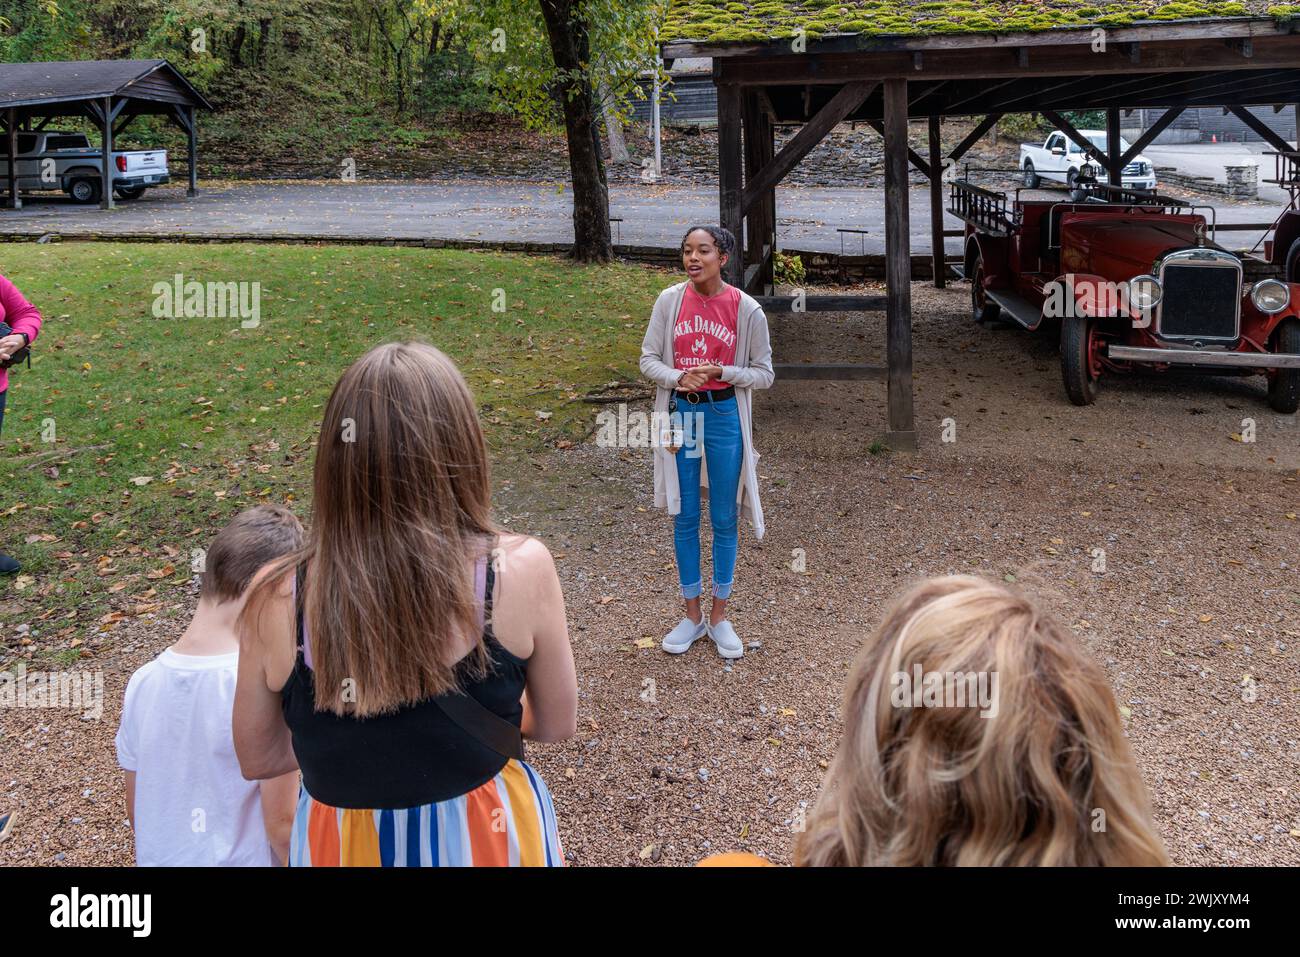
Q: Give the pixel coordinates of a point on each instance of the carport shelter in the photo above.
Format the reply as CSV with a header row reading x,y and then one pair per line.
x,y
815,63
109,93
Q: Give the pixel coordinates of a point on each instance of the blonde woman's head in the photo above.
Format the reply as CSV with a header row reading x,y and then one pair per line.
x,y
977,732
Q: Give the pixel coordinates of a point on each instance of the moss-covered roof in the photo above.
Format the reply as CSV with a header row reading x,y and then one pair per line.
x,y
719,21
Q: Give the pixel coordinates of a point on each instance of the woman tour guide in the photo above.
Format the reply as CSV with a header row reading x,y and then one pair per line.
x,y
706,349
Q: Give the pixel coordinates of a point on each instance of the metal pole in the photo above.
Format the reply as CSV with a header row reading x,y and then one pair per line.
x,y
654,119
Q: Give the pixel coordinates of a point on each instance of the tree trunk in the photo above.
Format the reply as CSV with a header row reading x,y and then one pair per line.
x,y
570,48
263,34
613,128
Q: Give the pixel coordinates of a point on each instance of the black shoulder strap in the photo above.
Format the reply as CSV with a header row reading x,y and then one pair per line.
x,y
488,729
484,726
298,604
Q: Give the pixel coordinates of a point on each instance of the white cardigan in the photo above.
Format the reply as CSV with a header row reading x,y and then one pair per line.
x,y
753,371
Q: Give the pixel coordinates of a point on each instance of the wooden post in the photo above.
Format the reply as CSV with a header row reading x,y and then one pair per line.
x,y
11,138
192,132
106,175
754,238
730,172
1114,154
768,149
760,219
898,270
936,204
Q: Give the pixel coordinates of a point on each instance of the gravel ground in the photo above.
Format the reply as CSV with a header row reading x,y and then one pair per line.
x,y
678,757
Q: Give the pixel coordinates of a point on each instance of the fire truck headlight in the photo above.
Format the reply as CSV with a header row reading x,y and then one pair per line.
x,y
1144,292
1270,296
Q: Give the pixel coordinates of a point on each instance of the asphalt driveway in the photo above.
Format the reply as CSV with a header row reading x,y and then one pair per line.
x,y
651,215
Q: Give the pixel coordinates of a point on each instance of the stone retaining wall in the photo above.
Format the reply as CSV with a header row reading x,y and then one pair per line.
x,y
1242,181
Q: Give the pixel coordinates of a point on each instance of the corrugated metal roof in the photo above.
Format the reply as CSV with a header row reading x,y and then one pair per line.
x,y
28,84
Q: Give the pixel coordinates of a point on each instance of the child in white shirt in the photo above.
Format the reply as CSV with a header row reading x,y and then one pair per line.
x,y
188,803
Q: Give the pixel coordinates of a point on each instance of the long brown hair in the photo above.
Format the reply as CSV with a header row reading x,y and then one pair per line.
x,y
401,509
1044,777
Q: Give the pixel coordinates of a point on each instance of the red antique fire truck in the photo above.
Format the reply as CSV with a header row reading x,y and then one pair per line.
x,y
1134,282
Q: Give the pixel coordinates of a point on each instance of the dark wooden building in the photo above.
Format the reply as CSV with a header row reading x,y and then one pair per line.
x,y
108,93
768,73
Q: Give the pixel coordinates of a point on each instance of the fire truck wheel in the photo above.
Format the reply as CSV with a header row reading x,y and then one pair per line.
x,y
1284,387
1293,262
1079,370
983,309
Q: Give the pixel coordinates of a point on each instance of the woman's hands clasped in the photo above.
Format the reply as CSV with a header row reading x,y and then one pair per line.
x,y
695,379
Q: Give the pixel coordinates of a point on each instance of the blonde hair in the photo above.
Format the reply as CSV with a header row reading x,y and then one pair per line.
x,y
401,509
1045,777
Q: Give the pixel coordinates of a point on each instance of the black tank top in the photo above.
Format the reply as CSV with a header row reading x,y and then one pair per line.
x,y
414,756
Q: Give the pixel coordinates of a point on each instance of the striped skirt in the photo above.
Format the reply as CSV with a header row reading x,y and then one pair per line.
x,y
507,822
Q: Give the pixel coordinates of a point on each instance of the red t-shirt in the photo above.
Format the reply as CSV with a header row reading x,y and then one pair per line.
x,y
705,333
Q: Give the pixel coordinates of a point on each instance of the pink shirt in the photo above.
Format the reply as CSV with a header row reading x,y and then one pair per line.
x,y
20,314
705,333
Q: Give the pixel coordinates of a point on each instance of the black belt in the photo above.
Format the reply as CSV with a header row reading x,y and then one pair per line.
x,y
704,395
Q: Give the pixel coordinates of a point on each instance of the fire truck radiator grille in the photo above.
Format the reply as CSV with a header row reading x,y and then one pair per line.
x,y
1200,302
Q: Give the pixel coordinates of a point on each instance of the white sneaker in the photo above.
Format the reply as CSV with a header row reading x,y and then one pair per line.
x,y
725,637
685,634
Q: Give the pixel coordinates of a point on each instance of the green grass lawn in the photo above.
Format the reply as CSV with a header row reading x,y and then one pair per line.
x,y
131,439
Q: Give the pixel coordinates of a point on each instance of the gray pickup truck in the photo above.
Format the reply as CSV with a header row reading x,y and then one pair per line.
x,y
53,160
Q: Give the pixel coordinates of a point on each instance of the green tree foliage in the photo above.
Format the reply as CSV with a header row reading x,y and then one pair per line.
x,y
329,74
508,40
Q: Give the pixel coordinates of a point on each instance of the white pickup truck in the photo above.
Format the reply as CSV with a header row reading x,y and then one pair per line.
x,y
1059,160
53,160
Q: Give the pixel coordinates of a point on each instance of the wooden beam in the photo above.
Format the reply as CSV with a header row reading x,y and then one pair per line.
x,y
953,105
829,370
913,157
783,304
1037,93
731,214
1241,45
1256,124
1085,144
755,238
1148,136
1114,168
936,204
982,127
106,115
914,106
845,101
1191,56
1061,36
898,270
